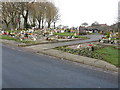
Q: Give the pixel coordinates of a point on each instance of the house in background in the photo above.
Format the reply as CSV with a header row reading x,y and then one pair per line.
x,y
82,30
89,29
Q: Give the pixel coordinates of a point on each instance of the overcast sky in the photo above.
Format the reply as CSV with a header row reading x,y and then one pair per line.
x,y
75,12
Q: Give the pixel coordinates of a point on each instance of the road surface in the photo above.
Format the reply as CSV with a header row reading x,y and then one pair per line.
x,y
23,69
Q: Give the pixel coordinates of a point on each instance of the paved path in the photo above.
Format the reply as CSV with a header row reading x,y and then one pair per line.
x,y
23,69
53,45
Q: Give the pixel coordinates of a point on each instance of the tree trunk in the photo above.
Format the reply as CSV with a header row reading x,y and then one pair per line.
x,y
39,21
25,22
18,21
13,24
19,24
42,24
33,22
25,19
7,24
54,25
48,24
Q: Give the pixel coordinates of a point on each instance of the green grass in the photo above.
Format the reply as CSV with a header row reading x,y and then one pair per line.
x,y
17,40
64,34
109,54
8,38
70,34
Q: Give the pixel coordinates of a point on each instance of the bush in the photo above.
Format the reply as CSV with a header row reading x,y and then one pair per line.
x,y
108,34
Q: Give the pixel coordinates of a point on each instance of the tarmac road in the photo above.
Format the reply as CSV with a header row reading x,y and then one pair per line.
x,y
21,69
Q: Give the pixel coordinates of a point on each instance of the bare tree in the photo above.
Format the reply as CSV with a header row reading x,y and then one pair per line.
x,y
5,14
84,24
51,14
95,24
34,12
56,18
14,13
24,9
11,12
38,12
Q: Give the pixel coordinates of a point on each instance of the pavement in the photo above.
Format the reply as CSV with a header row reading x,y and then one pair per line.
x,y
48,50
23,69
11,42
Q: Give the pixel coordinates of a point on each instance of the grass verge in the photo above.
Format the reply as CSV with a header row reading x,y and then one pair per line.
x,y
107,53
110,54
70,34
7,38
14,39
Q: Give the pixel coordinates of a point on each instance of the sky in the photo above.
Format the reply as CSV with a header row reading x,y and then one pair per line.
x,y
76,12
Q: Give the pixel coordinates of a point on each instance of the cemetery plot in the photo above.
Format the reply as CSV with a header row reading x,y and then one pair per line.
x,y
110,38
66,35
32,36
23,36
94,50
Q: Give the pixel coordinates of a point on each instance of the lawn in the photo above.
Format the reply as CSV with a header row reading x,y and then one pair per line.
x,y
8,38
106,53
109,54
64,34
70,34
17,40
